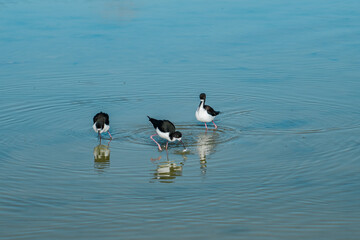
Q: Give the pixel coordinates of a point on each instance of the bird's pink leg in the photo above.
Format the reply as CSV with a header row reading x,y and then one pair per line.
x,y
155,159
155,141
214,125
206,126
110,138
167,145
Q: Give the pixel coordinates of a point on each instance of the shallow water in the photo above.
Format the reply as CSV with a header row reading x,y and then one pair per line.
x,y
283,164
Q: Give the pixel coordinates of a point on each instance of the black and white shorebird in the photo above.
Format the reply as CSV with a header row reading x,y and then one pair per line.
x,y
205,113
165,129
101,123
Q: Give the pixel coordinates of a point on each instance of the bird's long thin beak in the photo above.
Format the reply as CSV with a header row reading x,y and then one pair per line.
x,y
183,144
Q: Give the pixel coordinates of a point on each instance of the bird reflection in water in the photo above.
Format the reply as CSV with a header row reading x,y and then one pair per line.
x,y
205,145
101,157
167,171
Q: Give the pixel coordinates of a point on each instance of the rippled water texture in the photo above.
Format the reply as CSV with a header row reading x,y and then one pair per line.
x,y
283,164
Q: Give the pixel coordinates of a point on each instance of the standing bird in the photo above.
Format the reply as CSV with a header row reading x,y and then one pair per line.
x,y
101,124
205,113
165,129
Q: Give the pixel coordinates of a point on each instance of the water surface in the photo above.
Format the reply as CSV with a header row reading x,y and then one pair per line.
x,y
283,164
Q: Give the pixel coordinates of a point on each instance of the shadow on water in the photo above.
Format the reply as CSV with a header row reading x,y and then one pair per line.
x,y
101,157
206,144
167,171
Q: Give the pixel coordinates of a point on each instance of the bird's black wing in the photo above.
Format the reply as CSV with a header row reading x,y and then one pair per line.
x,y
167,126
156,123
101,117
98,116
106,118
211,111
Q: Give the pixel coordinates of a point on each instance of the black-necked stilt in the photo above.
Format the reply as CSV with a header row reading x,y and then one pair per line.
x,y
205,113
165,129
101,123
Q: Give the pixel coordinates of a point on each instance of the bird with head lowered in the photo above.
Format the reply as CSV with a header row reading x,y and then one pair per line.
x,y
101,124
166,130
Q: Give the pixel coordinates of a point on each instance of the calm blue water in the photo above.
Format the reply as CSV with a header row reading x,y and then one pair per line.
x,y
283,164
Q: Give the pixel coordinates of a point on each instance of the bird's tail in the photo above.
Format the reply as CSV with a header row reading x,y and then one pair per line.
x,y
217,113
153,121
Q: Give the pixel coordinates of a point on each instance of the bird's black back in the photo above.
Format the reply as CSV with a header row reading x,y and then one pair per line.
x,y
163,125
211,111
101,118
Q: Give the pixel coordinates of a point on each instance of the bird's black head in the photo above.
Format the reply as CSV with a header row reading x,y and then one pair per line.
x,y
99,125
176,136
202,96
